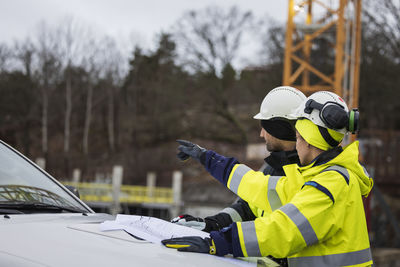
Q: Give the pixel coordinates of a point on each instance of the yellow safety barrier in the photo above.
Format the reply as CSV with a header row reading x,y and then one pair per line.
x,y
96,192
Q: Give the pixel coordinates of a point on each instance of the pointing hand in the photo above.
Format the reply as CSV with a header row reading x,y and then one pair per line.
x,y
188,149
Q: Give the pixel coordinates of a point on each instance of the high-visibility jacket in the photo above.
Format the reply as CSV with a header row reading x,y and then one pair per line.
x,y
317,214
241,210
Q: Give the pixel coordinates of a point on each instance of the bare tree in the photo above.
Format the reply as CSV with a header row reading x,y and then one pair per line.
x,y
88,118
47,73
211,38
111,71
383,18
273,43
25,52
102,62
71,36
380,63
92,66
4,56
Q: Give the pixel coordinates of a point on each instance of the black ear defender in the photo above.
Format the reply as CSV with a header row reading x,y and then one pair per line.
x,y
334,115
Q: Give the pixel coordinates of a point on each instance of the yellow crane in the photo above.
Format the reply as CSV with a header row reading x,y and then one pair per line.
x,y
308,20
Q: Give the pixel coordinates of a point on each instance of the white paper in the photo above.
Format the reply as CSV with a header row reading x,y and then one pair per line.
x,y
150,228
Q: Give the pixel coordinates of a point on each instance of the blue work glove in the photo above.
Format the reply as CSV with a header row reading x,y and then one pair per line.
x,y
191,244
188,149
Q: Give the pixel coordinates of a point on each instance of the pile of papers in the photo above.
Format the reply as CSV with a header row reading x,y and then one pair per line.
x,y
150,228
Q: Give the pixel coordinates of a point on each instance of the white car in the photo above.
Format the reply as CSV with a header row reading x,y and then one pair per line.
x,y
44,224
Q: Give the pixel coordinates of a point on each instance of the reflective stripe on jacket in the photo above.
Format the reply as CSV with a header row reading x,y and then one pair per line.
x,y
321,222
273,166
243,211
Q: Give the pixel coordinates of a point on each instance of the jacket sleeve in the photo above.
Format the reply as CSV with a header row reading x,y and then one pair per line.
x,y
310,217
219,166
237,212
244,210
263,191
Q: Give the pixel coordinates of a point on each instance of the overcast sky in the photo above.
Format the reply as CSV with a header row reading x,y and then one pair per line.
x,y
129,22
117,17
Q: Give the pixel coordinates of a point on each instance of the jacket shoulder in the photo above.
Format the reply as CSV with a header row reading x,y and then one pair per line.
x,y
332,181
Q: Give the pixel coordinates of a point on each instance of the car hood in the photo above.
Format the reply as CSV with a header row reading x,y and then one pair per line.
x,y
75,240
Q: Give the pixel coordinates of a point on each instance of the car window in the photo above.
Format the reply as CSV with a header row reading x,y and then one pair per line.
x,y
20,181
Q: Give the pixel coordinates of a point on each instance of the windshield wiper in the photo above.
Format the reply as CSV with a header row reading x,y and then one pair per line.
x,y
30,206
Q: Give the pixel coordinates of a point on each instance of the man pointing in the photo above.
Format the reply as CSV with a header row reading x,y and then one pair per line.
x,y
321,219
277,129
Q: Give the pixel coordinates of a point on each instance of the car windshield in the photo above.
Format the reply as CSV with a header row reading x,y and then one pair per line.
x,y
22,182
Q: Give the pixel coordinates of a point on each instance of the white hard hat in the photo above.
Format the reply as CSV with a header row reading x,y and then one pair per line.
x,y
328,110
280,102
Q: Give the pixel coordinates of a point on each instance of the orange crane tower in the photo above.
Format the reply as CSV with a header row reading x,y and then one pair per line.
x,y
338,21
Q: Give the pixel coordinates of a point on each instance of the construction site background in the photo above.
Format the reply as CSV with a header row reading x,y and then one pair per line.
x,y
87,112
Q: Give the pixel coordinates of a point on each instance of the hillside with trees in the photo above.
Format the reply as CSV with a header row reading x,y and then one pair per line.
x,y
71,96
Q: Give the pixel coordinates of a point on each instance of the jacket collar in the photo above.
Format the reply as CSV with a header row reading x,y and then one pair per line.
x,y
278,159
326,156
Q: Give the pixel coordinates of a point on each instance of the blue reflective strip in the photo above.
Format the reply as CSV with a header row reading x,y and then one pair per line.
x,y
235,216
342,259
250,239
273,197
320,188
237,176
236,247
340,170
301,222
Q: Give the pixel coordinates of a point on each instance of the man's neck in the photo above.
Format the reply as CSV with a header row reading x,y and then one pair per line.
x,y
288,146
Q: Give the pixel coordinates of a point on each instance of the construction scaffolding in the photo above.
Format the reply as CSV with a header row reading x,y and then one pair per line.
x,y
338,22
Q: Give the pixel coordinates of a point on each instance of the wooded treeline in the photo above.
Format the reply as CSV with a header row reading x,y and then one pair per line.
x,y
67,96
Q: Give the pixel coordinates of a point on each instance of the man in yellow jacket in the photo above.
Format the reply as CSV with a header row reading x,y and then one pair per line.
x,y
321,220
277,129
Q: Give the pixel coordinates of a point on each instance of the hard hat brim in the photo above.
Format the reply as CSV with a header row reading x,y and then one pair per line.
x,y
258,116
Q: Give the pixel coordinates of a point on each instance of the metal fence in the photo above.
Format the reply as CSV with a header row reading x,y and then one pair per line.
x,y
99,192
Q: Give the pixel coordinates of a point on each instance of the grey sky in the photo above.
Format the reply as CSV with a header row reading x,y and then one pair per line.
x,y
117,18
129,22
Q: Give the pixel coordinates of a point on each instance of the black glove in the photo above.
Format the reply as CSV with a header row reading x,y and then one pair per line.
x,y
188,149
190,221
191,244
